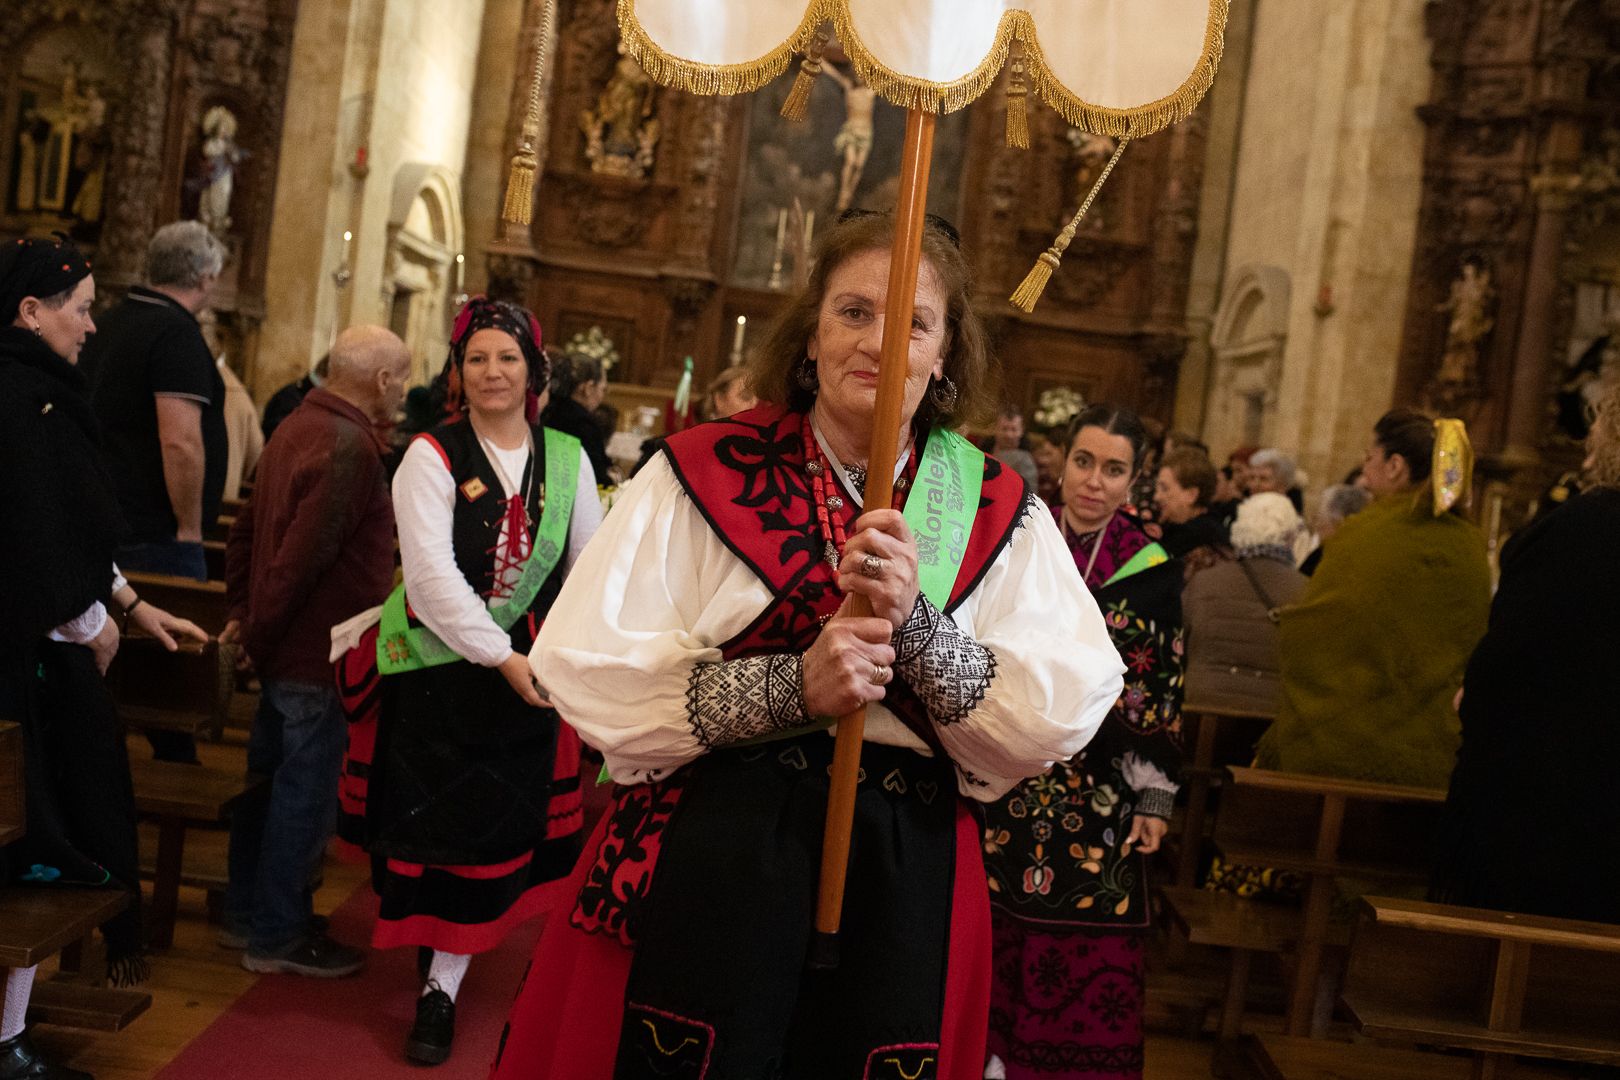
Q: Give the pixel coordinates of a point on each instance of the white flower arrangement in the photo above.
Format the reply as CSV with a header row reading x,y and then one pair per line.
x,y
595,345
1058,406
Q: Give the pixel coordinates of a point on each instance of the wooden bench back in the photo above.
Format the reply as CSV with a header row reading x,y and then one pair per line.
x,y
203,602
1485,981
1325,825
13,815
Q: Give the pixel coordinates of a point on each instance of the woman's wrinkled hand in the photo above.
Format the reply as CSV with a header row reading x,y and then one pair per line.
x,y
848,666
880,563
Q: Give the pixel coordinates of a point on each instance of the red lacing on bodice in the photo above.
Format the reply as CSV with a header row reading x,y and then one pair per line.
x,y
512,552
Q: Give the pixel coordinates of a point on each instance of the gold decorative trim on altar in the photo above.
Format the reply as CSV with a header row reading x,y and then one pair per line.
x,y
909,91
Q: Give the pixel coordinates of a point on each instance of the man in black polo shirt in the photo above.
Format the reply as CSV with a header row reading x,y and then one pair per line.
x,y
161,404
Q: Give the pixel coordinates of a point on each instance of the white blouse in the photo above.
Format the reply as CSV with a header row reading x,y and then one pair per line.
x,y
658,592
424,507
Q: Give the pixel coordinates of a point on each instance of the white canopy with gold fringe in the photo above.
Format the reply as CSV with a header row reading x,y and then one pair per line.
x,y
1121,68
1125,68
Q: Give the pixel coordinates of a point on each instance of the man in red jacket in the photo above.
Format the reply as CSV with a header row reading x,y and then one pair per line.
x,y
313,547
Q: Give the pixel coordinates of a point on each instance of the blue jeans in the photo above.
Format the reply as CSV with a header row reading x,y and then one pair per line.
x,y
277,839
177,558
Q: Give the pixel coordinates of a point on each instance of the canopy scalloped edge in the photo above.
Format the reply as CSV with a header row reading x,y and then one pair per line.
x,y
909,92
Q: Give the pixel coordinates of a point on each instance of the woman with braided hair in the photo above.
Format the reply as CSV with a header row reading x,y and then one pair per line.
x,y
474,796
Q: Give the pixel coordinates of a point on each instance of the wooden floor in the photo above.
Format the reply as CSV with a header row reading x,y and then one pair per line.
x,y
195,981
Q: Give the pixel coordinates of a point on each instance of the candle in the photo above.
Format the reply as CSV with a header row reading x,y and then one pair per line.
x,y
347,237
781,230
737,339
461,269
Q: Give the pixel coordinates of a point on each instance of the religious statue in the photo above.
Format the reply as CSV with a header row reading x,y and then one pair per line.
x,y
620,132
1472,308
61,159
854,139
215,181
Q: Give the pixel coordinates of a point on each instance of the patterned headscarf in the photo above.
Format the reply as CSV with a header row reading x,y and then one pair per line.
x,y
38,267
482,313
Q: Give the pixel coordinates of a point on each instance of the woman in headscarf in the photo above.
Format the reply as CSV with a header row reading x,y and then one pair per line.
x,y
704,647
1065,851
58,531
474,799
578,387
1532,823
1373,652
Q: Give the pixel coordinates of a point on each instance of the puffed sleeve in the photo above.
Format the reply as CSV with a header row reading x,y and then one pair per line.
x,y
619,648
1022,674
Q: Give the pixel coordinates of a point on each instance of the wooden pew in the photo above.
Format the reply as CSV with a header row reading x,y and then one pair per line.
x,y
214,553
1322,828
189,690
221,528
1495,983
1285,1057
179,797
1219,737
39,921
13,815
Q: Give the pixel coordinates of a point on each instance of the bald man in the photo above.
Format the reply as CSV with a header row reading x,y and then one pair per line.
x,y
313,547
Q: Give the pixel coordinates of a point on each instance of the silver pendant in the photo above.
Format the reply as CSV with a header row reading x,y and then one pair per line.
x,y
834,502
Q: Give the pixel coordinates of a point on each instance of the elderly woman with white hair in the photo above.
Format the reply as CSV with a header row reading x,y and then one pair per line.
x,y
1230,611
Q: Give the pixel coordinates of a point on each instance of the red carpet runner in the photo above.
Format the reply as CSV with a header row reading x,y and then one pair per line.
x,y
291,1028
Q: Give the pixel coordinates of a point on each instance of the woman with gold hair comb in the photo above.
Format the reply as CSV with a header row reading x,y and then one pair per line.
x,y
1374,652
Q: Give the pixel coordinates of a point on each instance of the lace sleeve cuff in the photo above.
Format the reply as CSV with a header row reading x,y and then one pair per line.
x,y
948,670
1156,802
737,700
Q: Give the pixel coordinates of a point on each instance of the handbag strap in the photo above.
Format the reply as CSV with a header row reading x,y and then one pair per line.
x,y
1273,612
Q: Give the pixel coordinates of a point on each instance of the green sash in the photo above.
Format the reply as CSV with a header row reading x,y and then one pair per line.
x,y
403,647
941,510
1146,559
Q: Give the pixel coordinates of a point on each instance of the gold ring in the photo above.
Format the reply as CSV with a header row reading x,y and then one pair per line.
x,y
880,674
871,567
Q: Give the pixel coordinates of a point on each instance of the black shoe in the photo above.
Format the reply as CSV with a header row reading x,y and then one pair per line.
x,y
316,955
429,1040
20,1061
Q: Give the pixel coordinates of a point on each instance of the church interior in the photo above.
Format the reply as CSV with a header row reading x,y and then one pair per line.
x,y
1378,208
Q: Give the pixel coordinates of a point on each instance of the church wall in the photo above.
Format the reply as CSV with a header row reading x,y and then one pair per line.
x,y
393,103
1328,180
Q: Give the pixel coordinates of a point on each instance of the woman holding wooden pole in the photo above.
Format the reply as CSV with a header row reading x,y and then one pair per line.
x,y
710,640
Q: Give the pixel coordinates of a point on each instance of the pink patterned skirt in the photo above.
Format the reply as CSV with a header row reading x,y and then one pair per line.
x,y
1065,1002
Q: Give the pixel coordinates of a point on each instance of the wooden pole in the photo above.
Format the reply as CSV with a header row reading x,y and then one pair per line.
x,y
893,364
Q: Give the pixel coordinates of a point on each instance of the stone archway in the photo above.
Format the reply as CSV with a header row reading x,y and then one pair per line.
x,y
425,234
1249,333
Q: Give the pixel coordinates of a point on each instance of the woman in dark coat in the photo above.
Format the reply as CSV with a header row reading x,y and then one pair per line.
x,y
58,531
578,385
1532,823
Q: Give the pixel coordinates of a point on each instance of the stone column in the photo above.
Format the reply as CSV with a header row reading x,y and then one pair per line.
x,y
1532,354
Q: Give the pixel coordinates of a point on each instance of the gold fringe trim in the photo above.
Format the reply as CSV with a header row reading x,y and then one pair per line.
x,y
519,208
1034,283
1017,103
797,106
1144,119
911,93
714,80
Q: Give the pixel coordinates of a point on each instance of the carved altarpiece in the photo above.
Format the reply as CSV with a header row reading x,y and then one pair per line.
x,y
658,262
158,66
1520,183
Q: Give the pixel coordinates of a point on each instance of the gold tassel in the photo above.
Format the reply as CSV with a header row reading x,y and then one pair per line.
x,y
519,206
1017,102
1025,296
797,106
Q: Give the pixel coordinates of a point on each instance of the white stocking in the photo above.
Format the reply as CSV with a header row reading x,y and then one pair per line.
x,y
19,985
446,972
